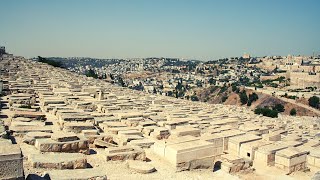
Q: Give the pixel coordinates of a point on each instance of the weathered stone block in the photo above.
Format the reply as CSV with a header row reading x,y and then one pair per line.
x,y
79,174
125,153
141,167
11,166
58,161
49,145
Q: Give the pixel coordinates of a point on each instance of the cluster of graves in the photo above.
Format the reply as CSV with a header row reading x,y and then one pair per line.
x,y
53,119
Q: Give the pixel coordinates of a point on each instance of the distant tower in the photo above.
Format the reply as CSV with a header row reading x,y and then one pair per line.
x,y
289,61
246,56
140,67
2,50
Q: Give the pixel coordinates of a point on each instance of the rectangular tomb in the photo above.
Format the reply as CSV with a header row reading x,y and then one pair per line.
x,y
11,166
291,159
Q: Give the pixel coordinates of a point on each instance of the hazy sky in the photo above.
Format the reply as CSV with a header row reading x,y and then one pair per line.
x,y
201,29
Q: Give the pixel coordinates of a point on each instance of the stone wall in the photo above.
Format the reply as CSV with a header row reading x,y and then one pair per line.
x,y
303,80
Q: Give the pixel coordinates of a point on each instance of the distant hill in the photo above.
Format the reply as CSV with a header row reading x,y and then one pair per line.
x,y
217,95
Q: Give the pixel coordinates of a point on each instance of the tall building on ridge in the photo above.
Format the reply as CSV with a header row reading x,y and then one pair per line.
x,y
2,50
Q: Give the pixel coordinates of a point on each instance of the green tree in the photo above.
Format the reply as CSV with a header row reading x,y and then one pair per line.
x,y
121,82
199,83
223,89
212,81
194,98
293,112
179,86
224,98
50,62
111,76
314,101
279,107
91,73
234,88
253,97
243,97
266,112
180,94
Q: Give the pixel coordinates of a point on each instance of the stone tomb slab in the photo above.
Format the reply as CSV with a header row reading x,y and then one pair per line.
x,y
141,167
143,143
160,146
188,151
291,159
77,127
26,129
31,137
58,160
183,131
76,117
125,153
313,159
79,174
107,125
236,141
11,162
32,123
29,114
49,145
64,137
130,132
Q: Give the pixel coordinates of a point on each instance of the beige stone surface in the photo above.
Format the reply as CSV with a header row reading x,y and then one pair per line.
x,y
141,167
168,134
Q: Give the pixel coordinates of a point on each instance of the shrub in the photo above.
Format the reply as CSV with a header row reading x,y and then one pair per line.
x,y
314,101
252,97
194,98
91,73
292,97
224,98
234,88
293,112
266,112
279,108
243,97
212,81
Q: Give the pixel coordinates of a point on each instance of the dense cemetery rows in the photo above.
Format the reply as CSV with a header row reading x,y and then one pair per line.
x,y
56,124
